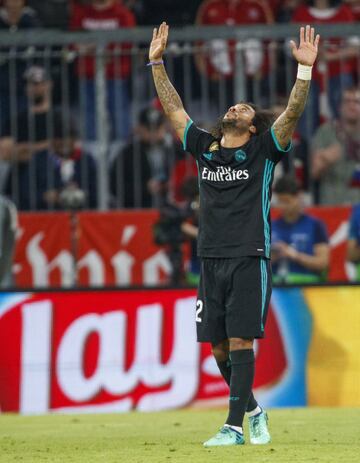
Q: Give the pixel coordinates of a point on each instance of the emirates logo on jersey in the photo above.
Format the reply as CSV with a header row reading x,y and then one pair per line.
x,y
224,174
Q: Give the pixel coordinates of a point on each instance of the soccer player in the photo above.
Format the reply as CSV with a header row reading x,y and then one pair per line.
x,y
236,167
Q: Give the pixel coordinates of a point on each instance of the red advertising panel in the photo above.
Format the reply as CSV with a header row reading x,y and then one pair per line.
x,y
116,248
43,254
337,223
115,351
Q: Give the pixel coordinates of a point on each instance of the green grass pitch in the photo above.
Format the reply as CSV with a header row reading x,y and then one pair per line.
x,y
299,435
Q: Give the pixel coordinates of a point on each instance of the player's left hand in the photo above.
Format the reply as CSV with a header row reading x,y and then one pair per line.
x,y
307,50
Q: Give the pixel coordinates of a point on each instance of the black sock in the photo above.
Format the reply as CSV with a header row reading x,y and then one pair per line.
x,y
252,403
242,377
225,370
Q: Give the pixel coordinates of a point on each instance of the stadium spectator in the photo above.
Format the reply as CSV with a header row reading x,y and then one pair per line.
x,y
335,67
286,9
219,61
8,231
355,8
104,15
177,224
14,15
300,250
336,153
52,13
31,184
139,173
137,7
353,244
31,125
176,13
77,169
184,168
275,5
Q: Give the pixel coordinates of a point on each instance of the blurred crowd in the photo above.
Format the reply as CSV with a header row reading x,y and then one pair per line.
x,y
49,119
60,13
47,156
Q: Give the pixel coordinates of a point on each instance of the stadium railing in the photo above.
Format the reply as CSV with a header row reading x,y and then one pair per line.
x,y
210,66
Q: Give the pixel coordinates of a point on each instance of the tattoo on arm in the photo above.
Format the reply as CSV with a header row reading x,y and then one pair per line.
x,y
169,97
285,125
170,100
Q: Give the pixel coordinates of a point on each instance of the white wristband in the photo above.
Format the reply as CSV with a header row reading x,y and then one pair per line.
x,y
304,72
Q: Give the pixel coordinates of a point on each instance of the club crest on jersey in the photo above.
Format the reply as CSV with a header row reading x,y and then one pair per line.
x,y
208,156
240,156
214,146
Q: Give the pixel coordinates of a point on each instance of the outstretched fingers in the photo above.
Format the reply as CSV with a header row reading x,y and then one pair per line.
x,y
312,35
302,35
317,40
166,33
293,45
163,29
308,35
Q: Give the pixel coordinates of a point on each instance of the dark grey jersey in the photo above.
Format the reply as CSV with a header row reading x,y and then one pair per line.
x,y
235,193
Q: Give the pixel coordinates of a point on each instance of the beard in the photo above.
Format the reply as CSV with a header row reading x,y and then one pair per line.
x,y
234,126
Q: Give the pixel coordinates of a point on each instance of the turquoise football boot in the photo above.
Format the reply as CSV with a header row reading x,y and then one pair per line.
x,y
259,432
226,436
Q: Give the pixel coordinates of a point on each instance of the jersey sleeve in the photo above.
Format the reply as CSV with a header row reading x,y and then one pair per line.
x,y
196,140
320,235
271,147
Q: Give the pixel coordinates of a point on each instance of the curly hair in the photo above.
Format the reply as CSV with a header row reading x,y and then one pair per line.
x,y
263,120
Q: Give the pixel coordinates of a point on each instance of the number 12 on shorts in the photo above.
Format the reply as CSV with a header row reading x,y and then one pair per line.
x,y
199,308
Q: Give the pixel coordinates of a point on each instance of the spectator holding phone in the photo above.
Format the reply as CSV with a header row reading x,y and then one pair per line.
x,y
300,249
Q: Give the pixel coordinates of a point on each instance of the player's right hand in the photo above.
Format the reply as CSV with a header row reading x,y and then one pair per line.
x,y
158,43
307,50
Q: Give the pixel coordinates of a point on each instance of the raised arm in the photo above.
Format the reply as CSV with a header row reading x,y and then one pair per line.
x,y
305,55
169,98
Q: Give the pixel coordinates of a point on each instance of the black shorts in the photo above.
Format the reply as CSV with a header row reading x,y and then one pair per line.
x,y
233,298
